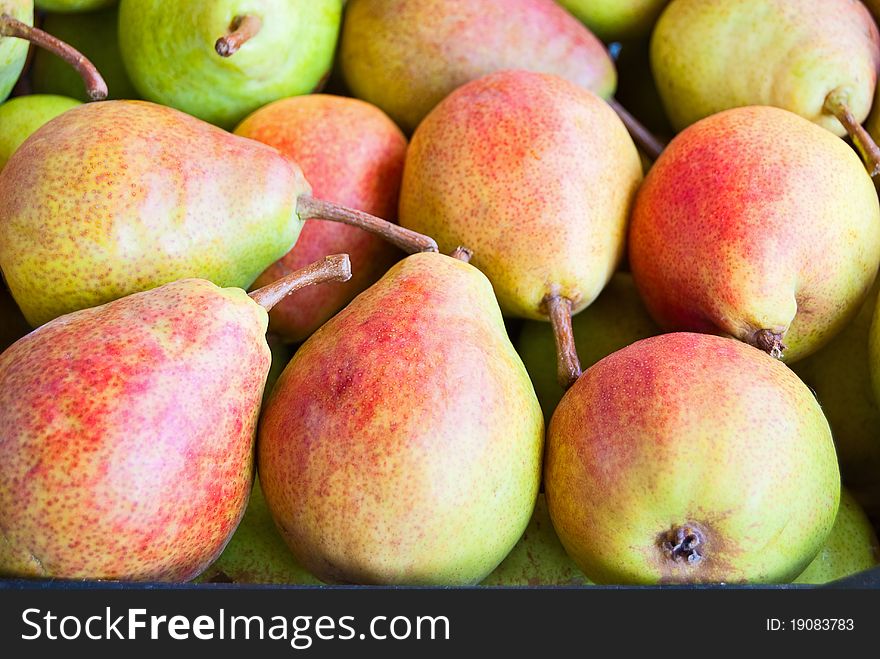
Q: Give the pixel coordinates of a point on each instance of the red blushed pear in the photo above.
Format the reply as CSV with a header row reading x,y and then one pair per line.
x,y
402,444
690,458
757,224
352,154
127,431
537,176
118,197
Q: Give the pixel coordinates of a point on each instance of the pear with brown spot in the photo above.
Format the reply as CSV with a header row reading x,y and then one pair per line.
x,y
691,458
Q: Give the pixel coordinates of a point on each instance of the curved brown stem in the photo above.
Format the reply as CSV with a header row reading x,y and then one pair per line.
x,y
241,30
331,268
836,105
96,88
645,139
411,242
462,253
568,364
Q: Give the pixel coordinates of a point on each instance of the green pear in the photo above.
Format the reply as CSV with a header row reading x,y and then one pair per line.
x,y
256,554
614,20
851,547
128,430
21,116
405,56
94,35
535,174
13,51
816,58
689,458
614,320
402,444
118,197
72,5
264,51
757,224
840,376
538,559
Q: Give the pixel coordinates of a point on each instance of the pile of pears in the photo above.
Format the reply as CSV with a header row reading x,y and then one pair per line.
x,y
439,292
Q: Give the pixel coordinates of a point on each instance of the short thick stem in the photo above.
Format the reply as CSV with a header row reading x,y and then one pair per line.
x,y
241,30
645,139
462,253
96,88
836,105
331,268
411,242
568,365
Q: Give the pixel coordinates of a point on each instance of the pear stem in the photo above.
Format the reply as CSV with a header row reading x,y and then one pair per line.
x,y
462,253
836,105
568,364
241,30
96,88
331,268
645,139
411,242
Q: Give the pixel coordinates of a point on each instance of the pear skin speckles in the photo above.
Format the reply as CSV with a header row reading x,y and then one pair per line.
x,y
403,442
127,435
691,434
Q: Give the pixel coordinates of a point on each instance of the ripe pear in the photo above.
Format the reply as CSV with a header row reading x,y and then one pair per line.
x,y
118,197
537,176
128,431
840,376
538,559
402,444
615,20
616,319
16,30
407,55
95,35
757,224
256,554
353,154
220,60
690,458
73,5
851,547
817,58
21,116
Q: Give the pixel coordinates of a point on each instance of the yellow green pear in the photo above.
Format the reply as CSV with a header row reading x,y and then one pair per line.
x,y
121,196
256,554
21,116
840,375
538,559
851,547
816,58
614,20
